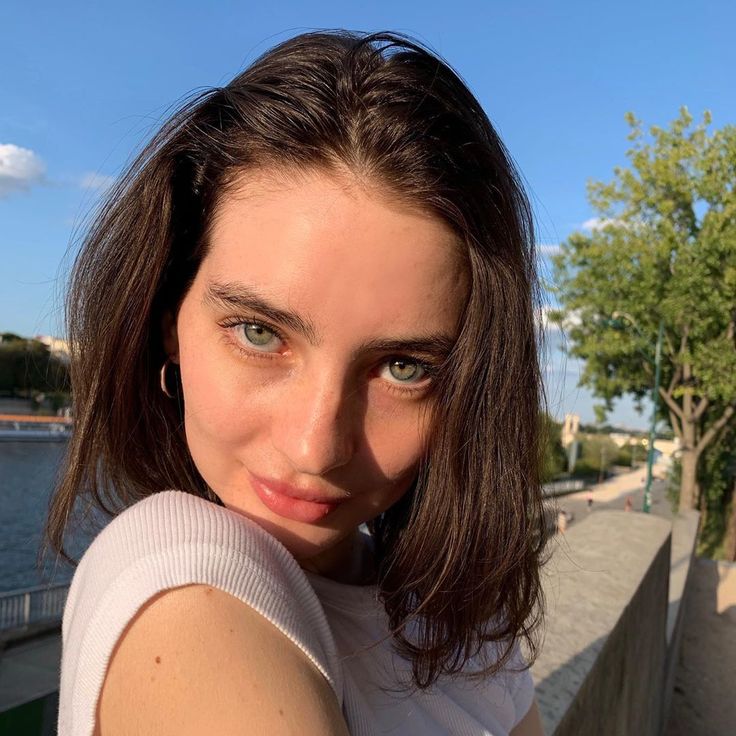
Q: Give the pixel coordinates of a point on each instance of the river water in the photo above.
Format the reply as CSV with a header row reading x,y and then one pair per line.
x,y
27,475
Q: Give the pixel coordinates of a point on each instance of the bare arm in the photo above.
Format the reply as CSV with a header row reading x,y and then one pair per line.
x,y
197,660
530,724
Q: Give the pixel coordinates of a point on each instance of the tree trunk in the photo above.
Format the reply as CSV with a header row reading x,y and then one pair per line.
x,y
688,482
729,545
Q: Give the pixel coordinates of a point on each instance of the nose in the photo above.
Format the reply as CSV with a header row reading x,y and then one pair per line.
x,y
315,426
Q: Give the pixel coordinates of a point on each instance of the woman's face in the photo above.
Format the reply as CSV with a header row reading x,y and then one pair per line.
x,y
305,345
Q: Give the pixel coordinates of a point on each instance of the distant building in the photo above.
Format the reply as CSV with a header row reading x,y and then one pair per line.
x,y
57,347
570,428
621,439
669,448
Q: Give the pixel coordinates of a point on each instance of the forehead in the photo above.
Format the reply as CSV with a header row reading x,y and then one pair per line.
x,y
347,255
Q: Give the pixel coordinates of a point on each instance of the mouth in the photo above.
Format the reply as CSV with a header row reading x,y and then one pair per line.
x,y
293,503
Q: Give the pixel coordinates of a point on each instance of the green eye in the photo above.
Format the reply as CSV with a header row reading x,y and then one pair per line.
x,y
405,370
259,335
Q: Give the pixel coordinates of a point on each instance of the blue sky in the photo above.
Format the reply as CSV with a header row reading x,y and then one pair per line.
x,y
83,85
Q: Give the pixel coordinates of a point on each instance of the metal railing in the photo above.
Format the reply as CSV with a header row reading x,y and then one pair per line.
x,y
563,486
20,608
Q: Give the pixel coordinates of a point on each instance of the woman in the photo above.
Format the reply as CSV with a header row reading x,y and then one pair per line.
x,y
309,309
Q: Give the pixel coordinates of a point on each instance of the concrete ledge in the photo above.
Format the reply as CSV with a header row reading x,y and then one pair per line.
x,y
601,669
11,637
30,670
685,527
684,536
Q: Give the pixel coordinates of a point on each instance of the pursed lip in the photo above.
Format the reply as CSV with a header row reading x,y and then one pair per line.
x,y
300,494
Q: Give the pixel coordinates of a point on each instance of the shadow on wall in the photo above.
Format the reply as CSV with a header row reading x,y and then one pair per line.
x,y
702,698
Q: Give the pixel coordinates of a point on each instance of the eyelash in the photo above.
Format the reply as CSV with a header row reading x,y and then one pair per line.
x,y
429,369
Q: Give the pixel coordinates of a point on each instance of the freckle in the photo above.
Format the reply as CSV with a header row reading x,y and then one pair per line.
x,y
158,660
281,712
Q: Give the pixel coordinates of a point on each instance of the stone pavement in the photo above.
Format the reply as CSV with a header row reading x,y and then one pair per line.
x,y
604,587
612,494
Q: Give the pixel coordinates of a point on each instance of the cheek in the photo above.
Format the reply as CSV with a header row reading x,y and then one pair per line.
x,y
222,408
397,440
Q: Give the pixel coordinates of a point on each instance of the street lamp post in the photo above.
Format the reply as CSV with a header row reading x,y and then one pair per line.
x,y
655,402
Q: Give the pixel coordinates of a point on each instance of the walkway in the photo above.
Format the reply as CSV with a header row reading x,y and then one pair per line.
x,y
703,702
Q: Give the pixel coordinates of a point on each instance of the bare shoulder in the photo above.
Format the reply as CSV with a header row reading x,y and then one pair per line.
x,y
530,724
197,660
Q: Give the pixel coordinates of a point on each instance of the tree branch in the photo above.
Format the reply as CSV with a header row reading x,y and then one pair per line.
x,y
670,346
700,408
675,379
715,428
675,425
672,404
683,340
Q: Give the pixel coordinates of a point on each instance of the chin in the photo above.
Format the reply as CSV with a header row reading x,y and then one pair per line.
x,y
301,539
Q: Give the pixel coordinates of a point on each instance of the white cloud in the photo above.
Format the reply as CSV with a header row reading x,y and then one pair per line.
x,y
20,168
598,223
548,249
92,180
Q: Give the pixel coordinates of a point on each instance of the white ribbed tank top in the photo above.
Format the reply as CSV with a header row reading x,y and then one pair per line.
x,y
173,538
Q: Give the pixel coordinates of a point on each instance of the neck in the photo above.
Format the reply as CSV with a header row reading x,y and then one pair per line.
x,y
350,561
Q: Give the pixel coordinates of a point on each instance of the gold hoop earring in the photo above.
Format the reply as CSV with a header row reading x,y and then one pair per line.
x,y
162,378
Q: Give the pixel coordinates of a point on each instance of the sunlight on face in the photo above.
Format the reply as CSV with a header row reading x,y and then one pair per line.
x,y
306,346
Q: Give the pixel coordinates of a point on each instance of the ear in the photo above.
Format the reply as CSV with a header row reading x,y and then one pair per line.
x,y
170,337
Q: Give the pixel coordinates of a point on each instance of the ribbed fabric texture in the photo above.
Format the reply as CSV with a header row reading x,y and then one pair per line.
x,y
165,541
173,538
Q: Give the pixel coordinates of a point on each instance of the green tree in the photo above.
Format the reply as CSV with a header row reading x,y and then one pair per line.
x,y
717,471
597,453
664,250
555,458
630,454
27,366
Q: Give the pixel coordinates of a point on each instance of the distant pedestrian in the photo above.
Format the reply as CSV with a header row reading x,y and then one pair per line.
x,y
590,500
629,505
561,521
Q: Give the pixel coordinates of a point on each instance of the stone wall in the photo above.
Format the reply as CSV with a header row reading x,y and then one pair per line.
x,y
685,529
606,661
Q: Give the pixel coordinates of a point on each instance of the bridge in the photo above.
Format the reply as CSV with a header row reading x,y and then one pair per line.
x,y
28,427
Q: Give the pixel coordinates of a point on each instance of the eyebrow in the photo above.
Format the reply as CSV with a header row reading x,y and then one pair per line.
x,y
246,298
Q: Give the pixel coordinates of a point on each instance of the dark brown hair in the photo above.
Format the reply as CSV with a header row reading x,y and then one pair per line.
x,y
460,553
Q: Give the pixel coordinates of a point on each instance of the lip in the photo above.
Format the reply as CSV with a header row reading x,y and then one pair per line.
x,y
292,503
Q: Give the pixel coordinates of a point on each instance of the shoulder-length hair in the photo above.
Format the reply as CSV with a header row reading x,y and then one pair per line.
x,y
460,553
